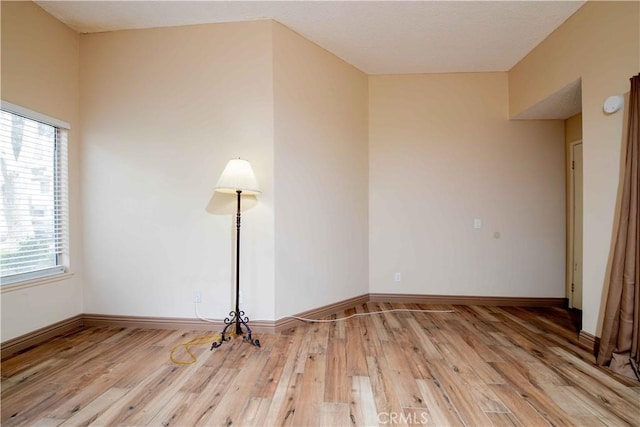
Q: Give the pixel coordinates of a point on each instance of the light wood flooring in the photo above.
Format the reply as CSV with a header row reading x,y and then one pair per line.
x,y
477,366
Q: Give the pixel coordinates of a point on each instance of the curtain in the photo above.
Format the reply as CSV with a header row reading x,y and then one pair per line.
x,y
621,328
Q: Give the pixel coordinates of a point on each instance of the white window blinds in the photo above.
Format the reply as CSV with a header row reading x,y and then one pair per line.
x,y
33,209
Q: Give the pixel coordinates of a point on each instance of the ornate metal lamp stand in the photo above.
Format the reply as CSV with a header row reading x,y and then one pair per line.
x,y
237,318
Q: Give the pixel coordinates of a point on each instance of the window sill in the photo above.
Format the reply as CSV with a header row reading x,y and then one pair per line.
x,y
35,282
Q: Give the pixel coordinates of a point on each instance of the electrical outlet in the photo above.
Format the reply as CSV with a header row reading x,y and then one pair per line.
x,y
397,277
197,297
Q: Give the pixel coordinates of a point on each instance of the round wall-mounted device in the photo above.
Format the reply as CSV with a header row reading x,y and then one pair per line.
x,y
613,104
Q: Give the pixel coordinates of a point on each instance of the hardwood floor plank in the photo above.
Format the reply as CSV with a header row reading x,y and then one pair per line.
x,y
311,391
177,405
464,403
528,345
318,337
117,335
441,411
362,409
30,374
567,401
302,352
539,373
90,412
333,414
61,369
479,338
502,340
424,339
484,313
518,405
56,346
338,329
503,419
373,338
467,376
229,410
255,412
592,421
285,402
401,376
47,422
201,405
269,377
536,396
390,320
356,359
417,363
457,349
336,382
160,394
515,353
473,324
387,401
379,325
606,413
134,402
17,413
286,392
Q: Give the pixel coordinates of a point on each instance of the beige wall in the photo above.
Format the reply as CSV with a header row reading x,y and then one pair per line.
x,y
212,101
40,72
321,164
600,44
443,153
163,111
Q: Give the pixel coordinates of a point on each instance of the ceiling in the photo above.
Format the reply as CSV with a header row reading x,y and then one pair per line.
x,y
564,103
378,37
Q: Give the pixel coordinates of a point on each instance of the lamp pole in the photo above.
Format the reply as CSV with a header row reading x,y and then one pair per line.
x,y
236,317
238,329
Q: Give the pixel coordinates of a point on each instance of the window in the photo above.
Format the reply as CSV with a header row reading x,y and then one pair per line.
x,y
33,207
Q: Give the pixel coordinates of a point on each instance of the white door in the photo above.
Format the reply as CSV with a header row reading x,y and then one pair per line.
x,y
576,275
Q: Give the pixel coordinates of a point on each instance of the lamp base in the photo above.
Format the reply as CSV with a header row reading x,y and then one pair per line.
x,y
238,319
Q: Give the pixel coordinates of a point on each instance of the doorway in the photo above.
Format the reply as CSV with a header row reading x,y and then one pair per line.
x,y
574,288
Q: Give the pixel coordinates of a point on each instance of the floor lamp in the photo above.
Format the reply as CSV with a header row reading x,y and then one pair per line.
x,y
237,177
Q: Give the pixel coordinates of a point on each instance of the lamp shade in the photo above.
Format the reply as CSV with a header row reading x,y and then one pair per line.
x,y
237,176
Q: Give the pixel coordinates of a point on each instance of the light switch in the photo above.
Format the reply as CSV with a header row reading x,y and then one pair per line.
x,y
477,223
